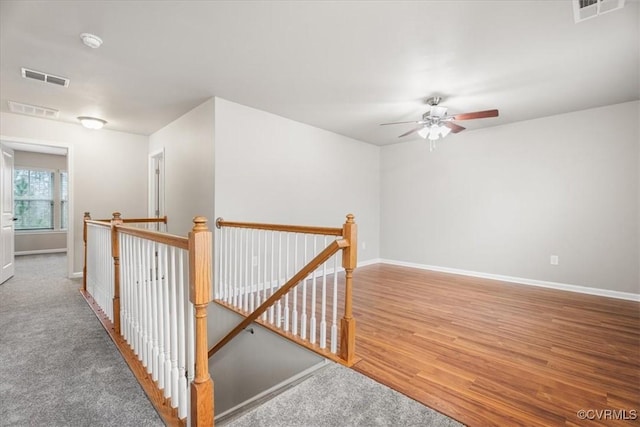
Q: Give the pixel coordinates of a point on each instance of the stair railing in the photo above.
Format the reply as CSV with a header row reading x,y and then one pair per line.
x,y
153,289
288,279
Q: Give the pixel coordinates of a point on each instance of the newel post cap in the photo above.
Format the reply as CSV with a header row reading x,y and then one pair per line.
x,y
200,224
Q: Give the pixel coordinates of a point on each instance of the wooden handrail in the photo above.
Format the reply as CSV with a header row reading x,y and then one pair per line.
x,y
156,236
139,220
101,223
323,256
328,231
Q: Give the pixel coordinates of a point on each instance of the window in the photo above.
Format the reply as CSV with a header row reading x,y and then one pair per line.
x,y
33,198
41,199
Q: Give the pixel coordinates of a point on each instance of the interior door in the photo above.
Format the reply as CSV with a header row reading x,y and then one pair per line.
x,y
7,230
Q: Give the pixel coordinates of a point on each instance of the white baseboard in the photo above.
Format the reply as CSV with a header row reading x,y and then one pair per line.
x,y
76,275
41,251
519,280
369,262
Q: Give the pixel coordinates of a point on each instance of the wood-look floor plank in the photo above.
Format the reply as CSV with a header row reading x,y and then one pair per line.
x,y
492,353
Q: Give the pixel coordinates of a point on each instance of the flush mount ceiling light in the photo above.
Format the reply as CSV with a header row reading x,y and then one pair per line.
x,y
92,122
91,40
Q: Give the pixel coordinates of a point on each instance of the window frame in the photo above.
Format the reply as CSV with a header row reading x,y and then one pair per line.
x,y
56,201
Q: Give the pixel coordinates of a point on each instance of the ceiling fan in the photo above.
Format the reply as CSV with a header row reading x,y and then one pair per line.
x,y
436,123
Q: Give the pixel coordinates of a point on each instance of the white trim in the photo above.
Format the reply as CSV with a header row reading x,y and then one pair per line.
x,y
369,262
160,153
76,275
70,183
33,231
522,281
41,251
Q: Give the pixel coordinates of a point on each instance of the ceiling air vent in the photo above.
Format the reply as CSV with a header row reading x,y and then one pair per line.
x,y
586,9
32,110
44,77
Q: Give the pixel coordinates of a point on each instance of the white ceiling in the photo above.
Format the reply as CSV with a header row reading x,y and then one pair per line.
x,y
341,66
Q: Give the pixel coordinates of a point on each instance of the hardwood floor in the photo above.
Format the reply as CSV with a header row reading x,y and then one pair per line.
x,y
494,353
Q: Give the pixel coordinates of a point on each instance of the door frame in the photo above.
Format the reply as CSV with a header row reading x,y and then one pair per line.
x,y
153,192
7,259
71,176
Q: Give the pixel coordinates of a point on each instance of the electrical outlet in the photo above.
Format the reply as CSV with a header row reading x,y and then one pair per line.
x,y
554,260
364,245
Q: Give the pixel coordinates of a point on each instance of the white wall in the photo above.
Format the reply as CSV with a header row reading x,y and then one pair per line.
x,y
272,169
501,200
188,152
107,171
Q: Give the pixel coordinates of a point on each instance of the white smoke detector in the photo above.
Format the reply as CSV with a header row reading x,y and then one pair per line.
x,y
91,40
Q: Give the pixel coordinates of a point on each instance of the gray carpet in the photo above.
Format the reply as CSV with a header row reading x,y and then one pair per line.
x,y
58,367
339,397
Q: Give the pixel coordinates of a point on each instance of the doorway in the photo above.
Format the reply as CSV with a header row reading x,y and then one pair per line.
x,y
55,233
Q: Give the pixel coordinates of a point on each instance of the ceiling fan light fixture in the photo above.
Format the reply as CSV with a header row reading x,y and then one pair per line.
x,y
92,122
434,133
444,130
424,132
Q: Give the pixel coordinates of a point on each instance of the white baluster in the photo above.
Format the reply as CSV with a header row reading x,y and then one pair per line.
x,y
161,316
182,338
218,269
150,317
294,311
167,331
258,275
323,307
141,311
236,267
303,315
145,307
334,315
240,269
312,326
150,307
174,332
252,282
154,311
264,276
282,280
279,283
247,266
272,277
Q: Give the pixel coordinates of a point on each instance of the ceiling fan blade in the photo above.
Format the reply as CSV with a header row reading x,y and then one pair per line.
x,y
454,127
476,115
399,123
411,131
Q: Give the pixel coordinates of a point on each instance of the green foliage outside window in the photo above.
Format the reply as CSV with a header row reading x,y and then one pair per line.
x,y
33,198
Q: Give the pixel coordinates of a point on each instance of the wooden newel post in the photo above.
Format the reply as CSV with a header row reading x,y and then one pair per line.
x,y
200,295
87,217
115,252
349,262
